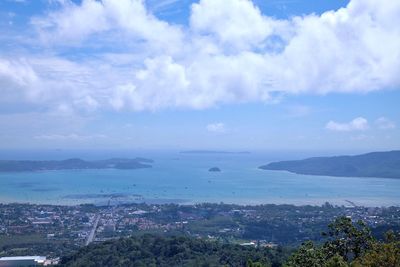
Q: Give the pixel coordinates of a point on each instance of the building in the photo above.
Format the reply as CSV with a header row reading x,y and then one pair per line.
x,y
22,261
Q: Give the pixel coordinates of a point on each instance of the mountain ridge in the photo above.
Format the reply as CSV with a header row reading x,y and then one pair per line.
x,y
374,164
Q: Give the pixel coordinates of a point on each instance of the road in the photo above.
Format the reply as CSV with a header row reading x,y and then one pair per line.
x,y
93,231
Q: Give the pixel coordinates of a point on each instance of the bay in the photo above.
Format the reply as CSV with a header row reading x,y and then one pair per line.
x,y
184,178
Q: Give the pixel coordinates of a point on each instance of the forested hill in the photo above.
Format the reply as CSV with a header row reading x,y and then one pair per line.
x,y
150,250
375,164
75,164
347,243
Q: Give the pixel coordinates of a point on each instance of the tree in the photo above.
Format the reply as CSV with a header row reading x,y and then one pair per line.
x,y
250,263
348,244
308,255
382,254
347,239
336,261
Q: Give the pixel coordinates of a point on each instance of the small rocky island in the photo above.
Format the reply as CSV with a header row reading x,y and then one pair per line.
x,y
214,169
73,164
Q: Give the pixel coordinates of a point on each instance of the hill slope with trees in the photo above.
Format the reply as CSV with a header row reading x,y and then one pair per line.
x,y
151,250
347,244
375,164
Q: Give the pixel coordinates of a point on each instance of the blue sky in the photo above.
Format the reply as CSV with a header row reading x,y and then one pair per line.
x,y
209,74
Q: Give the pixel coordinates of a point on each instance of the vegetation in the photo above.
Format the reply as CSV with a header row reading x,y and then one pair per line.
x,y
151,250
376,164
33,244
347,244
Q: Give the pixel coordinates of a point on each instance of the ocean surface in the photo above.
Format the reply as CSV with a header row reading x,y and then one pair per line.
x,y
184,178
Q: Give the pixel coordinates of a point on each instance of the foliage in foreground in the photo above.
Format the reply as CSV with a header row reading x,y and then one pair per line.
x,y
348,245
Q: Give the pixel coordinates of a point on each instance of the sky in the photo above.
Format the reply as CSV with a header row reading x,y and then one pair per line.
x,y
207,74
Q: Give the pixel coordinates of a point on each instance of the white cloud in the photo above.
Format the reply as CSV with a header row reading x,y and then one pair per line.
x,y
147,93
234,23
217,127
17,78
229,53
358,124
127,20
385,124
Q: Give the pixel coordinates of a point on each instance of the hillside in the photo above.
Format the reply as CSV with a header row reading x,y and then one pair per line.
x,y
347,243
151,250
375,164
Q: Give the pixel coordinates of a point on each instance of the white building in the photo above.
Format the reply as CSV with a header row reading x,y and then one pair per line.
x,y
22,261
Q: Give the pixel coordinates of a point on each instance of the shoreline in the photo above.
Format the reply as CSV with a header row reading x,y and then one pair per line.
x,y
327,176
367,203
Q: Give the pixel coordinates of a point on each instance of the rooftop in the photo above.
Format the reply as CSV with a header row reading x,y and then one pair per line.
x,y
19,258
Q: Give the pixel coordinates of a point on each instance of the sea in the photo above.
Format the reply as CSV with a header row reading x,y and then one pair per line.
x,y
184,178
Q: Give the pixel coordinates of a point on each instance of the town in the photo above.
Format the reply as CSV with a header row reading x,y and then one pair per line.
x,y
54,231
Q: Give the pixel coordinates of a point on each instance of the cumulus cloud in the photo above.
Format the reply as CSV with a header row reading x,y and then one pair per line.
x,y
385,123
17,78
127,20
218,127
358,124
146,92
229,53
233,23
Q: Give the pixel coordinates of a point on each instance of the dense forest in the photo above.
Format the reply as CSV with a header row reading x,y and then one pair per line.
x,y
346,244
151,250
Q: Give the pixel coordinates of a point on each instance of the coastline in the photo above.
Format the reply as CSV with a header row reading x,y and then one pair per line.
x,y
188,181
351,202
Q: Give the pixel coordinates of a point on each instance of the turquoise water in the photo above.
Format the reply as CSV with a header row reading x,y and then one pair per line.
x,y
184,178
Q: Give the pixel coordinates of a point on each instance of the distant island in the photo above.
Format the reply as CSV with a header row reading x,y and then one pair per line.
x,y
73,164
214,169
375,164
213,152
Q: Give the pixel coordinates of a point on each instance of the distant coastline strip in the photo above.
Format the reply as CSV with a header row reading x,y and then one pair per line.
x,y
73,164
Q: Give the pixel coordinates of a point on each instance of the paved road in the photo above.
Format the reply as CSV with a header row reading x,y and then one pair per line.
x,y
93,231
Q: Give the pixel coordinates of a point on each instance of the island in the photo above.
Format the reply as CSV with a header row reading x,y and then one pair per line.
x,y
72,164
374,164
214,169
213,152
